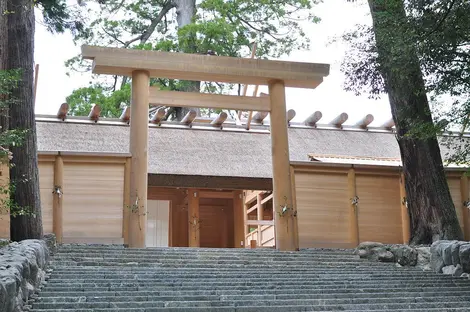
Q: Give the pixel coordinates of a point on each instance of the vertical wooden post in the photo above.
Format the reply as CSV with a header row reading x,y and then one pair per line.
x,y
294,206
127,201
238,219
405,217
285,230
57,215
245,219
353,213
193,216
464,195
138,148
259,210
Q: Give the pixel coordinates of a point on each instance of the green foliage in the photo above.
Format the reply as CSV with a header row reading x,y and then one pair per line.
x,y
9,79
58,17
439,34
111,103
226,27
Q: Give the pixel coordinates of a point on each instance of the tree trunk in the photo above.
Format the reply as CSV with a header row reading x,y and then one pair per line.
x,y
430,205
185,12
24,172
3,58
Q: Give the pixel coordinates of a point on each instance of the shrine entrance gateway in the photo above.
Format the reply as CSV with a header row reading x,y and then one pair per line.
x,y
141,65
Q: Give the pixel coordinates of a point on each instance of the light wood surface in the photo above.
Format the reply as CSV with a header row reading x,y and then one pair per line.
x,y
405,217
379,215
139,162
92,202
282,191
57,208
116,61
353,218
206,100
194,226
46,186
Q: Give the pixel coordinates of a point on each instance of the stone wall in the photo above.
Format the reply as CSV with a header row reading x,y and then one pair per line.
x,y
451,257
22,271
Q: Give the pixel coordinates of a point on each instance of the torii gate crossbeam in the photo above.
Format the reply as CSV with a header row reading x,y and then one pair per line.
x,y
277,75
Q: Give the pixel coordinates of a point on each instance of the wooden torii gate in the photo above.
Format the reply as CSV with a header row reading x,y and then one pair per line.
x,y
141,65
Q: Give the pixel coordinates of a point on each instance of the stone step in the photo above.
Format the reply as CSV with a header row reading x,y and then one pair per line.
x,y
456,301
261,309
307,278
239,297
320,292
248,286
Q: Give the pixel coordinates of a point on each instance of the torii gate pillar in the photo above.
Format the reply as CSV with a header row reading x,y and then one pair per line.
x,y
139,162
285,219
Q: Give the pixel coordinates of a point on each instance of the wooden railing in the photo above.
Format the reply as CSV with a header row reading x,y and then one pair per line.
x,y
264,234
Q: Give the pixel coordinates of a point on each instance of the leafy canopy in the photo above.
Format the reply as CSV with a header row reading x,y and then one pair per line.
x,y
439,32
226,27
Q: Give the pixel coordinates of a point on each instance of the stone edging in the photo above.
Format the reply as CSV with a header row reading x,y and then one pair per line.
x,y
403,255
23,270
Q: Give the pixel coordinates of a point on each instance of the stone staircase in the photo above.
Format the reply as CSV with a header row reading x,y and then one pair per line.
x,y
112,278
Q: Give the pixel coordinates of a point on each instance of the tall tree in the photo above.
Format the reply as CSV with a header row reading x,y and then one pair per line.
x,y
24,170
18,51
397,69
225,27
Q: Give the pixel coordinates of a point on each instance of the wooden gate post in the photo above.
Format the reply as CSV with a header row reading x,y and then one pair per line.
x,y
405,217
139,150
286,232
464,196
57,215
238,219
193,217
353,213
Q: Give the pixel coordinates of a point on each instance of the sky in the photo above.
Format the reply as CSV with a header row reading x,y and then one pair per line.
x,y
52,50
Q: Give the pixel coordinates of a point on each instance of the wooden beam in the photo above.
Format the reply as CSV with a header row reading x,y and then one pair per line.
x,y
405,217
313,119
339,120
57,213
250,114
464,197
238,220
219,120
189,117
290,115
389,123
353,215
122,62
36,76
127,201
206,100
158,116
250,197
194,221
262,222
139,163
63,110
245,87
266,199
364,122
260,116
126,114
259,206
255,207
95,112
294,206
216,194
282,191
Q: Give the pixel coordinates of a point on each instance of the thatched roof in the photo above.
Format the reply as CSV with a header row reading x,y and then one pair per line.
x,y
209,152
